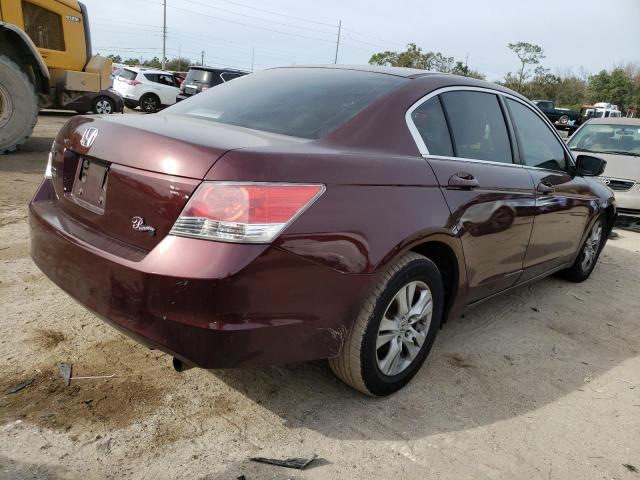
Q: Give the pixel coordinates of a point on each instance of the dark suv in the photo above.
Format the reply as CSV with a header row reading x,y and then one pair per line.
x,y
200,79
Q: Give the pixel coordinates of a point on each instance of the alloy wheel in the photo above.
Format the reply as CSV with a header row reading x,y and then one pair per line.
x,y
103,106
149,104
403,328
591,246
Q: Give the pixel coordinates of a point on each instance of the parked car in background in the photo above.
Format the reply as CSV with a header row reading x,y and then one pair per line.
x,y
180,76
562,118
617,140
315,212
200,79
148,88
102,102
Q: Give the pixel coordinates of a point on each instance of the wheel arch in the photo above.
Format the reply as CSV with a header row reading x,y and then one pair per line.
x,y
445,250
16,44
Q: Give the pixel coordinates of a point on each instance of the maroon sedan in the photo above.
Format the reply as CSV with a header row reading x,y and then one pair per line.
x,y
315,212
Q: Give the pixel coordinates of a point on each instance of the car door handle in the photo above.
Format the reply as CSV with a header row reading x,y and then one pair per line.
x,y
545,187
463,181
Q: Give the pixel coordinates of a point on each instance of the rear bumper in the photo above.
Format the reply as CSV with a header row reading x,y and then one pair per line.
x,y
182,96
212,304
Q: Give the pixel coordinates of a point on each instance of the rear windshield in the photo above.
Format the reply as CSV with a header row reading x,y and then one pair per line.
x,y
127,74
301,102
195,75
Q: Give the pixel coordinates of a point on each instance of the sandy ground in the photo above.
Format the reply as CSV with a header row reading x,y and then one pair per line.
x,y
543,383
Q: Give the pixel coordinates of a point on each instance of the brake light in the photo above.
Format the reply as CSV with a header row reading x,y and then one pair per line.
x,y
244,212
133,82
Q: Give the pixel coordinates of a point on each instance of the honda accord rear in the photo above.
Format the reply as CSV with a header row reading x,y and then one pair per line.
x,y
296,214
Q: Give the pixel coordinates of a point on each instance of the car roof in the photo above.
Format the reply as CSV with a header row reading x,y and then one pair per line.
x,y
397,71
615,121
154,70
216,69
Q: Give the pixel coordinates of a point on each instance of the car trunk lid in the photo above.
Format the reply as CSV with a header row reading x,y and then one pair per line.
x,y
129,178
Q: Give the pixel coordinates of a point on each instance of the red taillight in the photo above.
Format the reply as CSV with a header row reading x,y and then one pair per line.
x,y
243,212
134,82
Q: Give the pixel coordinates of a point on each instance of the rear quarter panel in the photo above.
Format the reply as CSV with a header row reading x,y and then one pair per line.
x,y
375,207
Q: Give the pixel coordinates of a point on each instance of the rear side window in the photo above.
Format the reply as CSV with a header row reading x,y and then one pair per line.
x,y
539,147
300,102
152,77
165,79
477,125
43,26
431,124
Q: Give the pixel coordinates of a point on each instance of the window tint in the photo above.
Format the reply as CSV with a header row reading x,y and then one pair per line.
x,y
226,76
127,74
166,80
43,26
152,77
197,75
431,124
301,102
477,126
539,147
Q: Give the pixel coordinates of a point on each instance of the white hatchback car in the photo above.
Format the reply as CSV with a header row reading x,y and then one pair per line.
x,y
150,89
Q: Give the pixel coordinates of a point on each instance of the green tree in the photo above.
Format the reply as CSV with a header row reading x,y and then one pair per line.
x,y
462,69
153,63
543,85
115,58
613,87
414,57
178,64
528,54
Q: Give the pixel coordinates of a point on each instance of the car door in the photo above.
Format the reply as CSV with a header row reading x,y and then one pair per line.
x,y
563,198
464,135
168,89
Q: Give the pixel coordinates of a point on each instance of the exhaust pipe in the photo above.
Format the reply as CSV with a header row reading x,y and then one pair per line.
x,y
179,366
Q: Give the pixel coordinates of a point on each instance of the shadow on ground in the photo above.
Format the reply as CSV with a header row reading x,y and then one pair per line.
x,y
504,358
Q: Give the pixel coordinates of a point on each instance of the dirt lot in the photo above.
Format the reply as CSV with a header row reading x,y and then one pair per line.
x,y
543,383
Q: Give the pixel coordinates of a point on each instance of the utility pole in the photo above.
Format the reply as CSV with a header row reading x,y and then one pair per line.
x,y
164,34
338,42
202,58
253,56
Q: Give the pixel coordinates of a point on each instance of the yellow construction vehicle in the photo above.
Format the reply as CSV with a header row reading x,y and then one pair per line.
x,y
45,60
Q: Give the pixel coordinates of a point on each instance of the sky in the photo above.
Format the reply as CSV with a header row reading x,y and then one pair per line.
x,y
584,36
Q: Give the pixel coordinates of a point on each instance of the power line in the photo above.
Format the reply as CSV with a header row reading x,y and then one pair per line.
x,y
261,19
271,12
251,26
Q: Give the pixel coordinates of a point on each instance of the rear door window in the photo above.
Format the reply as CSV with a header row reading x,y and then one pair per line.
x,y
152,77
478,128
538,145
431,124
166,79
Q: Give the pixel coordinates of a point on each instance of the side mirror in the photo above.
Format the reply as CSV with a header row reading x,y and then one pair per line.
x,y
590,166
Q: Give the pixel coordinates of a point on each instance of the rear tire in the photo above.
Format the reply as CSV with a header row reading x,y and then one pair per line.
x,y
103,105
385,325
589,252
150,103
18,105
